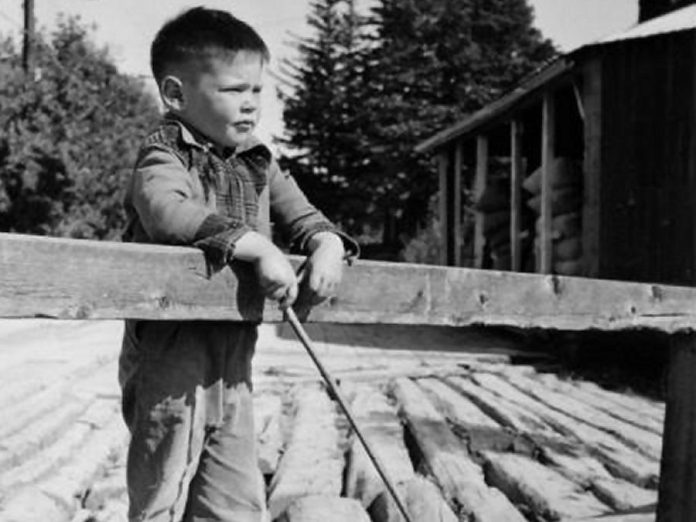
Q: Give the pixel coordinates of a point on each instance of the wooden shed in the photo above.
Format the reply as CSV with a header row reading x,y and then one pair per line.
x,y
587,168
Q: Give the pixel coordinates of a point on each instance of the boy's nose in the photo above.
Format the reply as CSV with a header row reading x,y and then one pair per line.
x,y
249,104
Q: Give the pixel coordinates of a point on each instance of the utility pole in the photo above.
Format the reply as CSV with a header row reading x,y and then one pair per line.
x,y
28,42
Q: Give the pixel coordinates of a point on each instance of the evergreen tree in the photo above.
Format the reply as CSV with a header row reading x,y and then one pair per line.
x,y
367,90
438,61
321,93
68,137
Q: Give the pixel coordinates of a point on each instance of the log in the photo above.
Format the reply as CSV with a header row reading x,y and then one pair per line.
x,y
424,502
317,508
621,460
644,441
380,424
313,462
80,279
69,442
467,415
622,495
56,497
446,458
17,447
633,412
456,407
573,461
502,409
549,494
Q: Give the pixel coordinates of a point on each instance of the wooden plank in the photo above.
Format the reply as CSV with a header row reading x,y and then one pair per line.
x,y
446,457
618,458
443,168
424,502
479,187
622,495
456,407
56,497
548,146
644,441
457,234
592,166
380,424
677,498
516,175
503,410
317,508
65,278
549,494
623,410
313,461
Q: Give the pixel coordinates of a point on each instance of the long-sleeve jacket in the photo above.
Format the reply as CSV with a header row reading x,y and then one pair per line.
x,y
185,191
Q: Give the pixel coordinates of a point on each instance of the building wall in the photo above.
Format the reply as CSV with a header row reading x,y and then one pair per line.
x,y
648,186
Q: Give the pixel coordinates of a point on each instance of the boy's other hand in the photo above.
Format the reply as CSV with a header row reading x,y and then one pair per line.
x,y
276,275
323,269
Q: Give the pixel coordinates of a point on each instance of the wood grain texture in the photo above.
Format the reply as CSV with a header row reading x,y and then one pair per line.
x,y
318,508
312,463
380,425
424,502
78,279
543,489
459,478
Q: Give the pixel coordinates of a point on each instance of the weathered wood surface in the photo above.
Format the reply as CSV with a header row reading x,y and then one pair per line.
x,y
83,279
447,459
545,490
423,500
382,428
77,473
319,508
313,462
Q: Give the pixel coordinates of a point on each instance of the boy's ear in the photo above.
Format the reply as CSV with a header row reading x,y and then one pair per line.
x,y
172,92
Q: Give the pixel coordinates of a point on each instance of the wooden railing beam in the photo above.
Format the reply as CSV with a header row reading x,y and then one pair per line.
x,y
79,279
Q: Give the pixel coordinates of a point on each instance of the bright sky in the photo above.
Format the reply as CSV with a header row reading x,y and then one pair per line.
x,y
128,26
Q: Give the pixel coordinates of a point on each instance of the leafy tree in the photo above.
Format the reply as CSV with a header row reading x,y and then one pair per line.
x,y
68,137
423,64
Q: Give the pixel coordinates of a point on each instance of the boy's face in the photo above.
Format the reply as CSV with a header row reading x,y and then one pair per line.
x,y
222,98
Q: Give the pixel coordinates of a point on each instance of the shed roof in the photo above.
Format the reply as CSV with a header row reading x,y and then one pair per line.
x,y
680,20
683,19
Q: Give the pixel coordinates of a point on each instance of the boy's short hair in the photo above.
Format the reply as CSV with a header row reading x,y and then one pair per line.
x,y
202,33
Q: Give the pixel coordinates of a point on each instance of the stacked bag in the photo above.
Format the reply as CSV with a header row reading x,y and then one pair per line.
x,y
494,206
566,209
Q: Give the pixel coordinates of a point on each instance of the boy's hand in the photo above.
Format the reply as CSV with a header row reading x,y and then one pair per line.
x,y
277,278
276,275
323,269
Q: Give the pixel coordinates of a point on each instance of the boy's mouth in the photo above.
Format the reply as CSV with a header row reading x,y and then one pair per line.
x,y
244,126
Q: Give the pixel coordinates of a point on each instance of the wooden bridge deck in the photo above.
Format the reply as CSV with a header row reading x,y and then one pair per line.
x,y
477,435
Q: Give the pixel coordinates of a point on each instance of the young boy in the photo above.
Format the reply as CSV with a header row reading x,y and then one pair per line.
x,y
203,179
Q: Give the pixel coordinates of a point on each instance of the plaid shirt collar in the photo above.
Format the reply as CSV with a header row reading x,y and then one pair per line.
x,y
194,138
